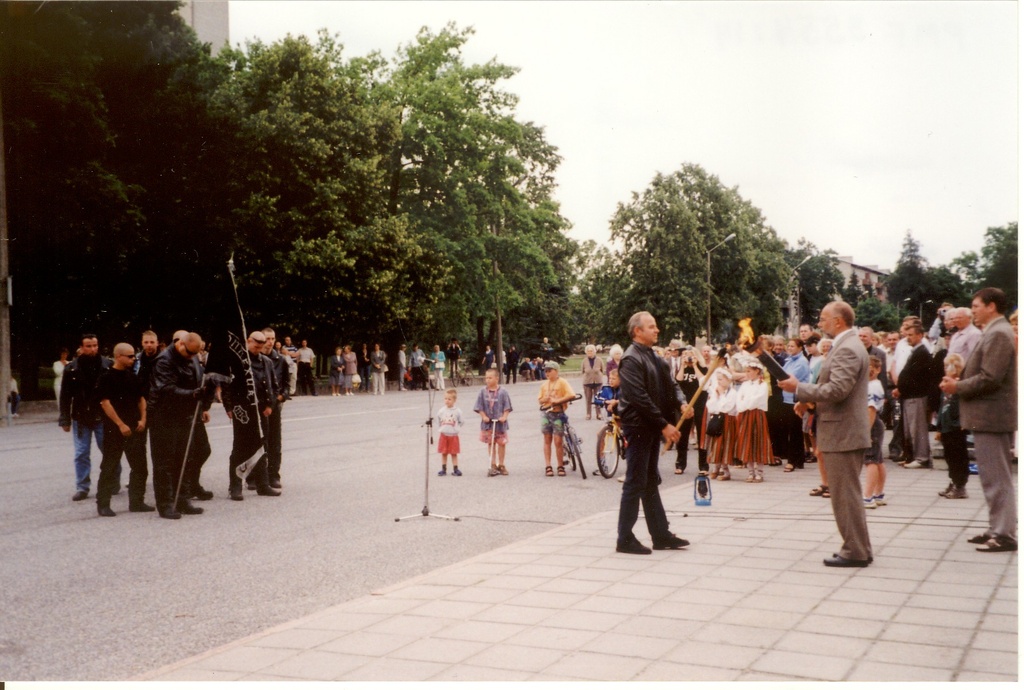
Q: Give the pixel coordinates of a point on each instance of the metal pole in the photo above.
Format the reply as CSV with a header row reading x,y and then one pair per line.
x,y
5,285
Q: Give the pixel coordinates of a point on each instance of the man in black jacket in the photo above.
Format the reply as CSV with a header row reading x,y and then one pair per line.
x,y
175,391
80,410
280,371
250,424
915,382
649,402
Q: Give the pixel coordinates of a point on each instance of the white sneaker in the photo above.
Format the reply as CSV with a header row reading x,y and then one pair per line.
x,y
870,503
917,465
879,500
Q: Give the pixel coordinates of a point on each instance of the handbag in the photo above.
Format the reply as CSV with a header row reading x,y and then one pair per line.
x,y
716,424
356,378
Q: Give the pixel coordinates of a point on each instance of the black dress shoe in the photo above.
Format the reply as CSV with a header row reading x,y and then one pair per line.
x,y
634,547
840,562
673,542
267,491
251,486
140,508
186,508
871,559
170,514
236,493
980,539
80,496
105,511
275,483
201,494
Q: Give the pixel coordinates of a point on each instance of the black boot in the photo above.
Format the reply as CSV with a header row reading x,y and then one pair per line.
x,y
169,513
139,507
201,494
185,507
267,491
103,508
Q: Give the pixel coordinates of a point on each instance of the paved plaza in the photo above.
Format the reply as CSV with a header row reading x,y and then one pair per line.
x,y
323,584
748,600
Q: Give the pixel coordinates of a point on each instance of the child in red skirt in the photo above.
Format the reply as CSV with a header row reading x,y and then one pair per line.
x,y
721,400
754,445
449,419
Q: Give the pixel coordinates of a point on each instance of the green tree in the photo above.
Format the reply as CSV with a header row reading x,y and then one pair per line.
x,y
477,184
818,280
881,316
665,234
104,147
999,260
907,285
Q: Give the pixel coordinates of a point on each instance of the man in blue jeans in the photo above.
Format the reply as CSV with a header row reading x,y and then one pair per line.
x,y
649,402
80,411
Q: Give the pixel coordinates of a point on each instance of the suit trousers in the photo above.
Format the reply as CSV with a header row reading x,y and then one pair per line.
x,y
915,428
843,471
641,486
168,436
274,444
994,456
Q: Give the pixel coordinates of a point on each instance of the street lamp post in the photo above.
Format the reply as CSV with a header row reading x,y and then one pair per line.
x,y
731,236
794,315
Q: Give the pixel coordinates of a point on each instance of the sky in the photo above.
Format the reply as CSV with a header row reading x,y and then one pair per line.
x,y
846,123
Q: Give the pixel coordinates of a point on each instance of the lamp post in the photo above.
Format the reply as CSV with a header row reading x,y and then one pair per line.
x,y
731,236
794,315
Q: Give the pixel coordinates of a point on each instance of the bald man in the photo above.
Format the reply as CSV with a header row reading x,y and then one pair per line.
x,y
123,401
175,391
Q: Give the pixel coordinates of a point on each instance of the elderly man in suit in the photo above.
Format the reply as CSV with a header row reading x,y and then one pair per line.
x,y
988,407
841,394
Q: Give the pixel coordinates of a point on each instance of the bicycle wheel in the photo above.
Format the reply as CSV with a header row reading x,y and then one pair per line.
x,y
569,446
607,452
577,445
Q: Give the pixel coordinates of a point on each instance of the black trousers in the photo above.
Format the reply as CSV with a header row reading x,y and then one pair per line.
x,y
643,446
198,453
791,446
954,449
307,386
168,437
683,445
133,447
274,444
246,444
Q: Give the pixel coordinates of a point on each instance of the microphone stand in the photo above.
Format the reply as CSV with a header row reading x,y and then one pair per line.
x,y
429,424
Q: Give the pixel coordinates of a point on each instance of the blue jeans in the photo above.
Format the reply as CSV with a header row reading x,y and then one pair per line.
x,y
643,446
82,435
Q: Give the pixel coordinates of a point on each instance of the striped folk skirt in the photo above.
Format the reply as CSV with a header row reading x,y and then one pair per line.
x,y
753,443
722,449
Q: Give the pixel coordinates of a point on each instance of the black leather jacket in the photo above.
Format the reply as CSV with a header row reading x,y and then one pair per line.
x,y
78,399
263,376
280,368
174,386
648,397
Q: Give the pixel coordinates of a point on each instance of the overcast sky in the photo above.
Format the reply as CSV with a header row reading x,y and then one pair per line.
x,y
845,123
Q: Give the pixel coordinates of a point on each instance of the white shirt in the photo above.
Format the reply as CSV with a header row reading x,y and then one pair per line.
x,y
752,395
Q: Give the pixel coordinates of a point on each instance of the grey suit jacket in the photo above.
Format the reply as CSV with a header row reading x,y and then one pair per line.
x,y
841,394
988,385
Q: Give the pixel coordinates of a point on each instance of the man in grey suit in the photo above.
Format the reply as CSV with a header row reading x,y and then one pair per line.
x,y
841,394
988,407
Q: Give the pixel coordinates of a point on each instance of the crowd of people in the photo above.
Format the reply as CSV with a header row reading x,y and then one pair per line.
x,y
164,395
773,402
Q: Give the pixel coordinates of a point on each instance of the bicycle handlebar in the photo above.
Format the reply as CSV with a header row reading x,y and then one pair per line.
x,y
546,408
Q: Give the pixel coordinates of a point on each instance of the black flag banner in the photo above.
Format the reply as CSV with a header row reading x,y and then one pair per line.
x,y
230,356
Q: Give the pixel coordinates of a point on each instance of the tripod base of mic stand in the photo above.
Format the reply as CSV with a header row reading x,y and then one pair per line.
x,y
427,514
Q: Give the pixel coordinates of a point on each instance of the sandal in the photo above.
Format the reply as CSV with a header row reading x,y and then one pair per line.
x,y
504,472
548,472
826,494
679,470
788,468
819,490
561,470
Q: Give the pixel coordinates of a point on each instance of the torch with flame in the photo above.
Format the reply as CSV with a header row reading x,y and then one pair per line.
x,y
746,338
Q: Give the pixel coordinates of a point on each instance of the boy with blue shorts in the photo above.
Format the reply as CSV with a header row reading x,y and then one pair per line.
x,y
555,395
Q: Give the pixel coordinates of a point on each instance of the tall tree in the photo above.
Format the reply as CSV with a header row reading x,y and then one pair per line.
x,y
477,183
818,279
665,234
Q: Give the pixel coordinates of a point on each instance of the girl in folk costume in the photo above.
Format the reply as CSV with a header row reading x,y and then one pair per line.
x,y
721,400
754,445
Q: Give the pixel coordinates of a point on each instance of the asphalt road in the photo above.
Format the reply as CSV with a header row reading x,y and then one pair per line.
x,y
90,598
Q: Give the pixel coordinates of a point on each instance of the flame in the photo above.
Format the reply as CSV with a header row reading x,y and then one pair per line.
x,y
746,333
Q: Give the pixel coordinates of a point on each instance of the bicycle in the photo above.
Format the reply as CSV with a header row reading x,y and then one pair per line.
x,y
611,446
571,442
